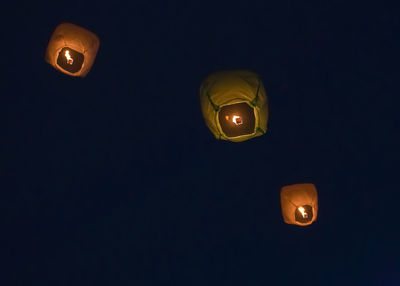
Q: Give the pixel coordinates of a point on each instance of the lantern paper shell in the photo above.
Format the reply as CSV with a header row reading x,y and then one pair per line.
x,y
234,105
299,204
72,49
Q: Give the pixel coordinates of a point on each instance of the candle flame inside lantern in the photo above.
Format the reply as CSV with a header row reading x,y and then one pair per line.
x,y
70,60
237,120
303,212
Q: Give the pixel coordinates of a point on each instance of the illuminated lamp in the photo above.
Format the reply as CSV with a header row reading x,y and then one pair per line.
x,y
234,105
299,204
72,49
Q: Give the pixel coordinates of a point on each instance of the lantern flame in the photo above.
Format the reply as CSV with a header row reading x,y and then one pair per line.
x,y
237,120
303,212
70,60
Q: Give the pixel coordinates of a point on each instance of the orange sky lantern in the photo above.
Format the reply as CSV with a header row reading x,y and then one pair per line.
x,y
72,49
299,204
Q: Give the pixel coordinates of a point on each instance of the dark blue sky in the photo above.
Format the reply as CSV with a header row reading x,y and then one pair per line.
x,y
114,179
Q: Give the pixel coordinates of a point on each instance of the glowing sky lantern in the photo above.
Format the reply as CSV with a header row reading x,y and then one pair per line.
x,y
299,204
234,105
72,49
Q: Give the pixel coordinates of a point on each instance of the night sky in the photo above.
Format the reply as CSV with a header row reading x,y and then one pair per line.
x,y
114,179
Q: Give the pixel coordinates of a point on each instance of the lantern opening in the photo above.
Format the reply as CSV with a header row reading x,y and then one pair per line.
x,y
304,214
70,60
237,119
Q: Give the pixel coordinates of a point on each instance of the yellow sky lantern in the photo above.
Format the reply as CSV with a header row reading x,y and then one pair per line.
x,y
234,105
299,204
72,49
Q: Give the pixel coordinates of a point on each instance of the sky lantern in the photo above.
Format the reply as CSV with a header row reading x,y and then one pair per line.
x,y
72,49
299,204
234,105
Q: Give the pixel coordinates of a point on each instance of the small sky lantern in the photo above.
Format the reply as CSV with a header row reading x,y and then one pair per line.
x,y
72,49
299,204
234,105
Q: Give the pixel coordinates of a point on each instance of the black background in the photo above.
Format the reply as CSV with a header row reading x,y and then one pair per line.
x,y
114,179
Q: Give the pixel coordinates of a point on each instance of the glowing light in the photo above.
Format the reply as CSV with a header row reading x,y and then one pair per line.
x,y
303,212
70,60
237,120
